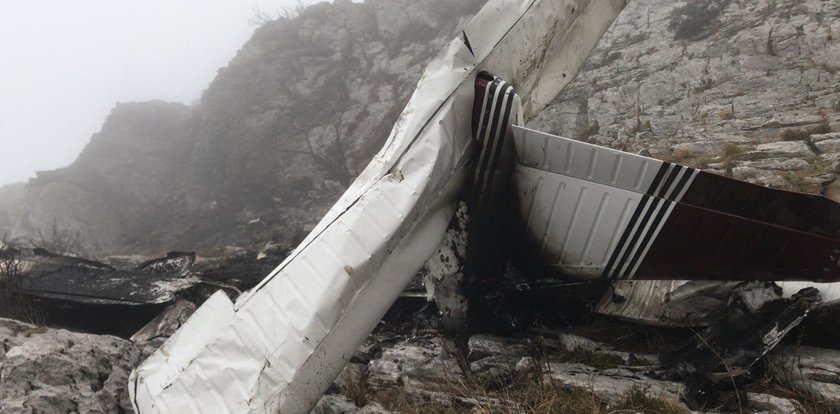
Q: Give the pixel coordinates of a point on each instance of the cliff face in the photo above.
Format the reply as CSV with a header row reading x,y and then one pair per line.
x,y
716,84
119,183
11,204
277,136
306,102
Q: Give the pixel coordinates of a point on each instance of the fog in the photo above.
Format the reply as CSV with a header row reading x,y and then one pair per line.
x,y
63,66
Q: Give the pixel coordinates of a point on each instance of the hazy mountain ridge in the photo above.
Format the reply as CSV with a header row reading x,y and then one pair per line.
x,y
306,102
11,203
276,137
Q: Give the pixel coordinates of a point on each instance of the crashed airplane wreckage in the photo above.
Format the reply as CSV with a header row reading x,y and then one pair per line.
x,y
97,297
597,212
588,211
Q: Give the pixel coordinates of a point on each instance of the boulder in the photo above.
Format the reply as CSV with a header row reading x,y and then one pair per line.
x,y
339,404
700,147
575,343
782,149
335,404
481,346
611,385
815,138
424,361
811,370
166,323
151,336
770,404
495,360
828,145
763,177
778,164
49,371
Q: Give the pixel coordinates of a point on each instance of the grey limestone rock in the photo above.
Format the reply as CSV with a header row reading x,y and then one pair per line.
x,y
782,149
612,384
828,145
811,370
48,371
770,404
422,361
339,404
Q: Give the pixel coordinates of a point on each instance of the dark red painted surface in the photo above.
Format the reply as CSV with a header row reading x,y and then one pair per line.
x,y
810,213
481,83
701,244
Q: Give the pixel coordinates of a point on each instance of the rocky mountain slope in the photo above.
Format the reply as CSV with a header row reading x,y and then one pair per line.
x,y
745,87
276,137
408,366
716,84
748,88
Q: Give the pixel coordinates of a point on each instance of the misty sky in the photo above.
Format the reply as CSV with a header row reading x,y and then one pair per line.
x,y
64,64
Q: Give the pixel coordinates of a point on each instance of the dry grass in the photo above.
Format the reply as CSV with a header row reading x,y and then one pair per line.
x,y
822,128
678,156
727,155
398,399
687,158
803,180
703,86
631,337
809,402
794,134
592,359
14,303
800,181
637,400
355,386
640,127
732,151
544,398
33,330
726,115
582,356
769,384
531,391
799,134
590,131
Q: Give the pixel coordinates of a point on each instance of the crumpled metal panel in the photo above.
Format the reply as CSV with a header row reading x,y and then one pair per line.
x,y
688,303
281,345
667,302
830,292
67,279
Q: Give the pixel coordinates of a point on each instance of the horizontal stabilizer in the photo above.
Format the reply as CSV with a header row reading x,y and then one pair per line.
x,y
593,211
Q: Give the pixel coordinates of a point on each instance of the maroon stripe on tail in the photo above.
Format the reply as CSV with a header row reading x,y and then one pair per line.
x,y
808,213
701,244
482,83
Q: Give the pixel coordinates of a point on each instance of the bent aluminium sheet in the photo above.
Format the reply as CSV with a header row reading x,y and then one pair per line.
x,y
688,303
280,346
596,212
